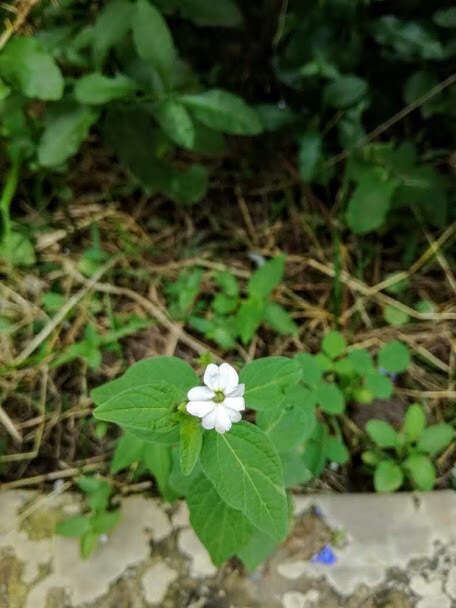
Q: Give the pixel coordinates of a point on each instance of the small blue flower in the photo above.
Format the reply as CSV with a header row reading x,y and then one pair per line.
x,y
391,376
325,556
317,512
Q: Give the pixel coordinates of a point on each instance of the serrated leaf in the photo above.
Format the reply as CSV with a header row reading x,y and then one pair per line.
x,y
421,470
191,440
394,357
333,344
435,438
73,526
111,25
28,67
222,529
223,111
388,477
330,398
414,423
247,473
279,320
176,122
382,433
266,379
96,89
265,279
379,385
310,369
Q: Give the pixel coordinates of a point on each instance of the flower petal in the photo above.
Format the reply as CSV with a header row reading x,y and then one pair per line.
x,y
228,377
235,403
212,377
222,420
209,420
200,393
237,392
234,416
200,408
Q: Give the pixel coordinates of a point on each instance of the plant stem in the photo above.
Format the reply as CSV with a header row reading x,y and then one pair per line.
x,y
9,189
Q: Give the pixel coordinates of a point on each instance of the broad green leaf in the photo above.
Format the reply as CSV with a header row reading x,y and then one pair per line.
x,y
265,279
343,367
425,306
279,320
228,283
128,450
73,526
395,316
17,249
330,398
394,357
207,141
379,385
64,134
179,483
311,371
176,122
274,117
371,458
111,25
223,13
88,542
345,91
249,317
361,361
98,492
223,111
247,474
421,470
333,344
153,39
415,422
223,304
388,477
187,186
324,362
309,153
425,187
28,67
102,523
191,439
96,89
222,529
165,437
419,83
314,455
295,472
258,548
370,201
157,459
445,17
266,379
382,433
336,450
435,438
409,39
292,422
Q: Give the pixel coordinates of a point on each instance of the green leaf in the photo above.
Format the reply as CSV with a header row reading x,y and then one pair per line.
x,y
343,367
421,470
314,455
128,450
292,422
64,134
414,423
17,249
247,474
394,357
176,122
345,91
295,472
259,547
73,527
98,491
222,529
28,67
361,361
266,379
102,523
223,13
157,458
309,154
409,39
249,317
191,439
223,304
333,344
311,371
265,279
279,320
186,187
324,362
96,89
228,283
223,111
179,483
153,39
371,201
336,450
382,433
274,117
379,385
395,316
445,17
88,543
207,141
435,438
388,477
111,26
330,398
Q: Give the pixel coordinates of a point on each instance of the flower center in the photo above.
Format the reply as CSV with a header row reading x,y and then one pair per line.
x,y
219,397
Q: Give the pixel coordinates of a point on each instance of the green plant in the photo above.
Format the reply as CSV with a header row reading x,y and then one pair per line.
x,y
408,454
97,521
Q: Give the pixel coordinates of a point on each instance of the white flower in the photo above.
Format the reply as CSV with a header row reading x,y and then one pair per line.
x,y
220,402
